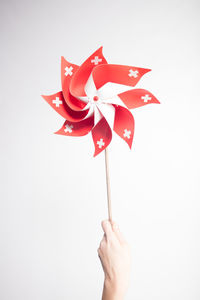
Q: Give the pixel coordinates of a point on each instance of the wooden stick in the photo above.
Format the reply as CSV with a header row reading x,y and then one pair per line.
x,y
108,185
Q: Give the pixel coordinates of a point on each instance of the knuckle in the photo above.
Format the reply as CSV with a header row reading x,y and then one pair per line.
x,y
104,222
102,244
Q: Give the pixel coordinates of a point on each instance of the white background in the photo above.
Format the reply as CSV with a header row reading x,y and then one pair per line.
x,y
53,192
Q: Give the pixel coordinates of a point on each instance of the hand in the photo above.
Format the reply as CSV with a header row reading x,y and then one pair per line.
x,y
115,255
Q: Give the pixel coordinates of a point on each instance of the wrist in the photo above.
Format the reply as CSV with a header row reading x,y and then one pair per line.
x,y
115,288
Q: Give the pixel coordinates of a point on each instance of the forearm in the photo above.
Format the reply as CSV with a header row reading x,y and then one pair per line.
x,y
112,291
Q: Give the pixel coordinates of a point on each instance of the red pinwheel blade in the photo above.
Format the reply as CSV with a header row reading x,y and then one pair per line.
x,y
67,72
126,75
124,124
101,135
58,103
76,128
137,97
80,78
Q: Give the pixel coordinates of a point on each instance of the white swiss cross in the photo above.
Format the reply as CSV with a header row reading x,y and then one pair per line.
x,y
68,71
57,102
68,128
133,73
96,60
100,143
127,133
146,98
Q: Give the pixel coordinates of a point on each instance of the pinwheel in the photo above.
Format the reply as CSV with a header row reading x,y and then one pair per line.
x,y
85,104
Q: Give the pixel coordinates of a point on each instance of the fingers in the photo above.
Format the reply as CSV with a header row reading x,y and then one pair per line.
x,y
107,228
103,242
102,246
101,257
117,232
112,232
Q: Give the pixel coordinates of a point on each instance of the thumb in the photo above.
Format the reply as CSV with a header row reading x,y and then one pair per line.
x,y
107,228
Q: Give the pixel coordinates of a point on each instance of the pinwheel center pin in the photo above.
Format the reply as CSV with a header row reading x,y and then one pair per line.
x,y
95,98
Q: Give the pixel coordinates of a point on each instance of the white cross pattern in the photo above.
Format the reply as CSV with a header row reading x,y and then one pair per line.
x,y
96,60
133,73
57,102
68,71
127,133
100,143
146,98
68,128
